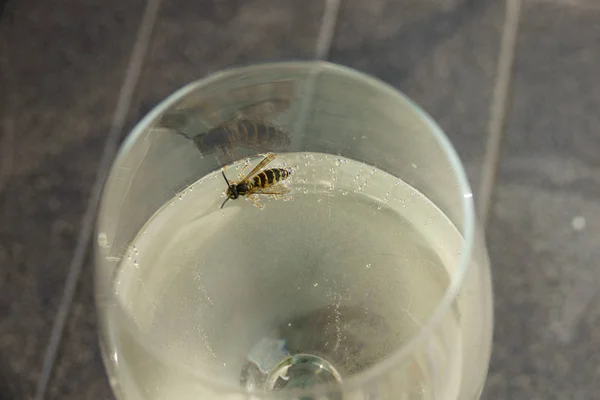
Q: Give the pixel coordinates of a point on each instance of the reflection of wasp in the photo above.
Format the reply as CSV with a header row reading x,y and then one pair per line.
x,y
268,181
251,132
248,126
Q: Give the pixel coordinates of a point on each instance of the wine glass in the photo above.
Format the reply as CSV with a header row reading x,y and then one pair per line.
x,y
292,230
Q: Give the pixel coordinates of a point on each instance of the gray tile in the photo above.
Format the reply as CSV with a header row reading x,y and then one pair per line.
x,y
545,222
442,54
62,65
194,38
79,372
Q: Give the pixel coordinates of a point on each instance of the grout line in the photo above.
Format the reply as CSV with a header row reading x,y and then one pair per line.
x,y
328,23
87,225
7,125
7,149
499,109
581,4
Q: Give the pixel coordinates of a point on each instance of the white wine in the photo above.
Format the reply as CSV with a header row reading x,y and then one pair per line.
x,y
314,288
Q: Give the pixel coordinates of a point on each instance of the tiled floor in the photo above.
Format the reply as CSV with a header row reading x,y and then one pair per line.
x,y
545,222
64,63
60,80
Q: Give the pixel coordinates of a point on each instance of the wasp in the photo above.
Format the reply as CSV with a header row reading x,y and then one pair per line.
x,y
267,182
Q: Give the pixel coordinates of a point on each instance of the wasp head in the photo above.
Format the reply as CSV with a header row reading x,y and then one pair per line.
x,y
232,192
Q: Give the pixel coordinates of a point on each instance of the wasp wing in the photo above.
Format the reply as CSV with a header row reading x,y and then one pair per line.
x,y
277,189
269,157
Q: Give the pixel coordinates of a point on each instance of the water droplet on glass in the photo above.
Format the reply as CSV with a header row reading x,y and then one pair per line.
x,y
289,324
578,223
136,263
316,284
368,265
337,162
344,192
319,200
224,364
379,207
102,239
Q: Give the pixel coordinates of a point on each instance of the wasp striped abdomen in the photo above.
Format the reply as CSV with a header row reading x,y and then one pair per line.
x,y
270,177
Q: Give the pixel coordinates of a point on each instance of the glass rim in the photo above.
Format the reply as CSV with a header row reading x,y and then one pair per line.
x,y
468,232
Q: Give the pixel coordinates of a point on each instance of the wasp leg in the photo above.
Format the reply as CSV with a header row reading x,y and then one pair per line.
x,y
256,202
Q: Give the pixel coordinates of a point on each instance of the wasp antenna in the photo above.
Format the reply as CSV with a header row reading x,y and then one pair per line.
x,y
224,177
224,202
